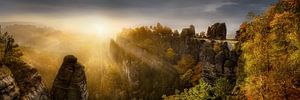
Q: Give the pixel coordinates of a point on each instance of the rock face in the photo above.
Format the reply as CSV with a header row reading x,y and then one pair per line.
x,y
217,31
70,82
207,60
18,80
30,84
8,87
217,64
28,80
188,32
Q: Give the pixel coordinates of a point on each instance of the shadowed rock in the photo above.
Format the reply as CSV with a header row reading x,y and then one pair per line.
x,y
207,60
217,31
70,82
188,32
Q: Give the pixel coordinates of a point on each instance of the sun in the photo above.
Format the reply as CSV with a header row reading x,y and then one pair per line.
x,y
96,27
89,25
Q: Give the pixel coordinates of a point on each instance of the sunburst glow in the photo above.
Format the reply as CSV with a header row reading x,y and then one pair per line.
x,y
89,25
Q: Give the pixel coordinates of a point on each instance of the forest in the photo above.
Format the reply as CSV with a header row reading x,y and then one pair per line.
x,y
262,61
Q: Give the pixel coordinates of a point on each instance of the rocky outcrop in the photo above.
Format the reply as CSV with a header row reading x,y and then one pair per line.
x,y
18,80
207,60
216,64
28,80
207,53
31,85
217,31
142,78
70,82
188,32
8,87
220,60
21,81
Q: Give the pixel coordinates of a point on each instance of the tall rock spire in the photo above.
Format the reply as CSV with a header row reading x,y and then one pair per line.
x,y
70,82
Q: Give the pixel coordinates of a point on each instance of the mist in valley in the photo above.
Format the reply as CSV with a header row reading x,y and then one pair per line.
x,y
45,47
128,50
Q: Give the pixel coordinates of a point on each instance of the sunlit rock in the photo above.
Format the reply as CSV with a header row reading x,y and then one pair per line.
x,y
8,87
28,80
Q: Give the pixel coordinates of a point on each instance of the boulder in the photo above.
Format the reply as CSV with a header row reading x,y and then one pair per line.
x,y
217,31
70,82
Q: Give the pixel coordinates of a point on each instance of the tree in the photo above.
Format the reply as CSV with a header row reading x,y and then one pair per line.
x,y
222,88
202,34
272,56
176,33
199,92
9,49
185,63
170,54
251,15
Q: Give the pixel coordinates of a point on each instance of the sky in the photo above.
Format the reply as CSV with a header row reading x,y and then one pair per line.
x,y
106,17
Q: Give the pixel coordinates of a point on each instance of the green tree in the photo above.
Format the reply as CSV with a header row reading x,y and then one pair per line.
x,y
199,92
222,88
9,49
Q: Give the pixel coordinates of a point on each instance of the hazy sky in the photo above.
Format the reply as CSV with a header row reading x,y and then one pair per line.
x,y
111,15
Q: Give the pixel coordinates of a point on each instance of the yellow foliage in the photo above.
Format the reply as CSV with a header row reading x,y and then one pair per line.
x,y
170,53
272,56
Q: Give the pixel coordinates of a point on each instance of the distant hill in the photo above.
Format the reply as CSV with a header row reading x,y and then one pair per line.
x,y
19,23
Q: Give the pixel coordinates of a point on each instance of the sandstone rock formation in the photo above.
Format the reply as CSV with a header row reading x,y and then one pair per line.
x,y
28,80
217,64
217,31
210,59
207,60
188,32
70,82
8,87
18,80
